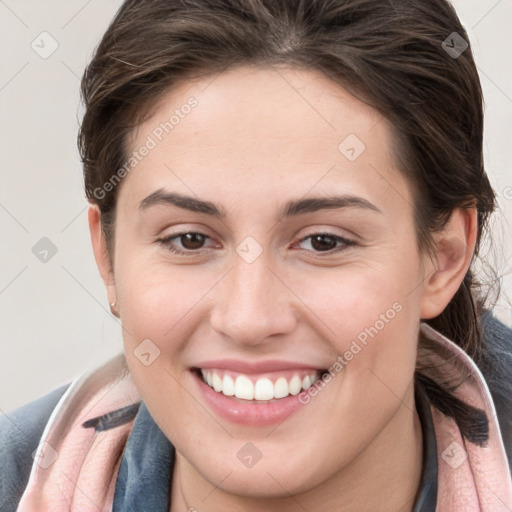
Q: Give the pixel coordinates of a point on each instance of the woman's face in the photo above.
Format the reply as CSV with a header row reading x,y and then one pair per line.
x,y
301,257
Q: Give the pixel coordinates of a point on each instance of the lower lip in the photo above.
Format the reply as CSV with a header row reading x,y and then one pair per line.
x,y
245,412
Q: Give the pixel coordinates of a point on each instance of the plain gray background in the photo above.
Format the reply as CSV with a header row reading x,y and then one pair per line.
x,y
55,321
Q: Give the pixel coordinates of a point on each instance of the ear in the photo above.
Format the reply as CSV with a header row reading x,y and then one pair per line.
x,y
454,247
99,247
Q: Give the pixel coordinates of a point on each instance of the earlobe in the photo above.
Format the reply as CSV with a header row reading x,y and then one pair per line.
x,y
454,247
101,256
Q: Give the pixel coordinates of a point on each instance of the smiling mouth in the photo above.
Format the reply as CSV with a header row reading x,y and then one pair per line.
x,y
262,389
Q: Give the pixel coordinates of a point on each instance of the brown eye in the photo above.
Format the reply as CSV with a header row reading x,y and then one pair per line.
x,y
323,242
326,242
192,241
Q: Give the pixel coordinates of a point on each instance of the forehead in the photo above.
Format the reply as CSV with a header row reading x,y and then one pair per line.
x,y
265,128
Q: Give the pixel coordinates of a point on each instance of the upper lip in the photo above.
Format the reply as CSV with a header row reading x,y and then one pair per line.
x,y
254,367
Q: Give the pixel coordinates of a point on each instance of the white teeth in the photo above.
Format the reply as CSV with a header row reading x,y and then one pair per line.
x,y
295,385
216,382
263,389
228,386
281,388
244,388
306,382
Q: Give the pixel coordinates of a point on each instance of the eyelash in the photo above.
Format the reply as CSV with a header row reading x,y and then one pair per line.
x,y
166,242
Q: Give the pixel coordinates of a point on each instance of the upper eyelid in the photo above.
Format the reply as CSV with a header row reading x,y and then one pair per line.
x,y
314,231
324,232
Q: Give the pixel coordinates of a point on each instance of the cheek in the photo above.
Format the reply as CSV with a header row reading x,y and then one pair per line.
x,y
370,317
361,302
157,299
157,311
156,308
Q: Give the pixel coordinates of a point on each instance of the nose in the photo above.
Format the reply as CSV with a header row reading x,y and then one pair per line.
x,y
253,304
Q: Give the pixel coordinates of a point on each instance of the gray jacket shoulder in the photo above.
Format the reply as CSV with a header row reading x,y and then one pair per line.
x,y
496,368
20,433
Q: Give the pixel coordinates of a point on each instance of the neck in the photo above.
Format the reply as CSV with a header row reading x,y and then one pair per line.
x,y
383,478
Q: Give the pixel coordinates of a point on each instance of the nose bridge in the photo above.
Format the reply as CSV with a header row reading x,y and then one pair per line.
x,y
253,303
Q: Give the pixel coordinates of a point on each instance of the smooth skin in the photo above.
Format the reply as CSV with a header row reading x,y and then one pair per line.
x,y
258,138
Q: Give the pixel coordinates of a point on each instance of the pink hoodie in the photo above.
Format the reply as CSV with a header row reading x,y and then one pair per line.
x,y
75,468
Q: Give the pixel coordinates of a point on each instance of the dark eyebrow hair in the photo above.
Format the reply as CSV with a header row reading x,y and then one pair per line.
x,y
314,204
186,202
291,208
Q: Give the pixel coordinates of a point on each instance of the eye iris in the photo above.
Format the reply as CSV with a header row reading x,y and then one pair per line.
x,y
192,240
323,242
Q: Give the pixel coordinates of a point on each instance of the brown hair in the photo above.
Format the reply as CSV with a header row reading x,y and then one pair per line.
x,y
390,53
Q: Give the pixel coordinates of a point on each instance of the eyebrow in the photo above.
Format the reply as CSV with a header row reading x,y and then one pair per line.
x,y
290,209
160,197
